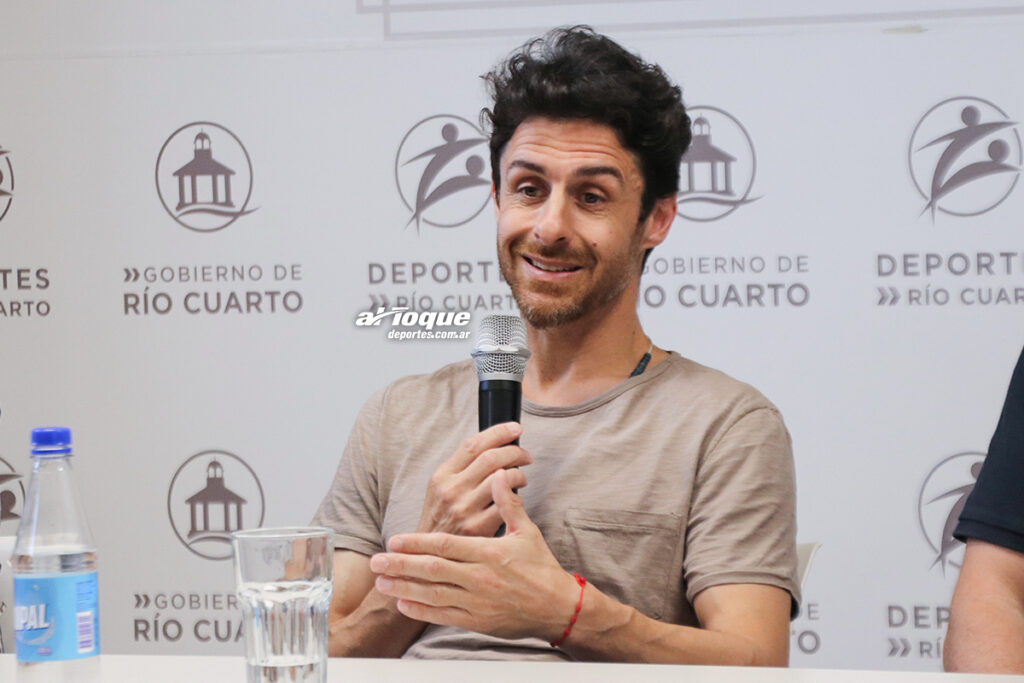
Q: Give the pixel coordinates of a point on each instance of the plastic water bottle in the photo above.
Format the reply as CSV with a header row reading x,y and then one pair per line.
x,y
56,615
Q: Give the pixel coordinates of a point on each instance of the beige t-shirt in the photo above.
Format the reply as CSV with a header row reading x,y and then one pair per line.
x,y
670,482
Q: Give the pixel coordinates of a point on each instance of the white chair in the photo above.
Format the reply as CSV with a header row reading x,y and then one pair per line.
x,y
6,595
804,554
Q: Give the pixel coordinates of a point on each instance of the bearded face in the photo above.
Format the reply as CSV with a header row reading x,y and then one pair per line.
x,y
568,238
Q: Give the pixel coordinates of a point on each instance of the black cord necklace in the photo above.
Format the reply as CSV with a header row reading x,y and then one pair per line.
x,y
642,365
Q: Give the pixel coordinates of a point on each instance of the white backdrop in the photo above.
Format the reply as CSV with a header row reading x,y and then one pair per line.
x,y
882,370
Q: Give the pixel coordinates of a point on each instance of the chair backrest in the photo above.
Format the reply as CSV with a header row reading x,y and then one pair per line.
x,y
804,554
6,595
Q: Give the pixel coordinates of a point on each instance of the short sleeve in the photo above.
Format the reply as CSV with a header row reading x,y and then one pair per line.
x,y
352,507
742,525
994,511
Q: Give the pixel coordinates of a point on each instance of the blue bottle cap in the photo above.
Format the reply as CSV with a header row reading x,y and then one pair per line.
x,y
51,441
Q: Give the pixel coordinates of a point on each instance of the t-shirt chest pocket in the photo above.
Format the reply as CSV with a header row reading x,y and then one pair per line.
x,y
626,554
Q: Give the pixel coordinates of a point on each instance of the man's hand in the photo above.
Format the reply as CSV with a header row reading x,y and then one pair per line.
x,y
511,587
459,499
364,622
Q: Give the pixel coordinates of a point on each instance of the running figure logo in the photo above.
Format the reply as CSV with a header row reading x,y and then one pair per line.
x,y
6,182
940,502
12,498
440,172
965,157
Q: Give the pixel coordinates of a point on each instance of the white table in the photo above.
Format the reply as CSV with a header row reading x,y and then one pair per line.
x,y
165,669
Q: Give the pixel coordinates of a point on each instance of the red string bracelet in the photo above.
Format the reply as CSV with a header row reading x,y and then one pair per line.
x,y
575,615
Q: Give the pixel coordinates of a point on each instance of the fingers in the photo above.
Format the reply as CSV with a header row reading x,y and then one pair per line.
x,y
509,505
426,593
496,459
481,496
446,616
394,565
459,490
487,522
468,450
430,602
445,546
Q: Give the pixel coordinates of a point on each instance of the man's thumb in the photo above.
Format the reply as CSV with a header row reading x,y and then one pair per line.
x,y
510,505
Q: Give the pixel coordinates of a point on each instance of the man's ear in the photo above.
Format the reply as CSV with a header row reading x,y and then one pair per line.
x,y
659,221
494,196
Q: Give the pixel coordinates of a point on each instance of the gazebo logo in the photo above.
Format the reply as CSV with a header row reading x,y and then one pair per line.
x,y
204,177
716,178
965,157
212,494
12,498
440,172
6,182
940,502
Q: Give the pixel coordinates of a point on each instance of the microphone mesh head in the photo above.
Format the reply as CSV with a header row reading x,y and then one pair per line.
x,y
501,351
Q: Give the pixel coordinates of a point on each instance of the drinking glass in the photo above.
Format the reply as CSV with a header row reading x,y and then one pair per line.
x,y
284,579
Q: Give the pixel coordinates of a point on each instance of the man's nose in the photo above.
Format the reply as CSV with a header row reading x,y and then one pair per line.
x,y
554,219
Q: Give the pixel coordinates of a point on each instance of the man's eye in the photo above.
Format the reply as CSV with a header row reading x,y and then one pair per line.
x,y
592,198
529,190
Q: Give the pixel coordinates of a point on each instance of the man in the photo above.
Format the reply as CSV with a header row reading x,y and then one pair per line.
x,y
666,486
986,624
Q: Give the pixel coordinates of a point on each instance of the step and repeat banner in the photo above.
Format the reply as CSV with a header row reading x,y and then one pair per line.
x,y
208,212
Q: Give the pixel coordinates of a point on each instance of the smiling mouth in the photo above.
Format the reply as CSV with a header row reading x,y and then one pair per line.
x,y
550,268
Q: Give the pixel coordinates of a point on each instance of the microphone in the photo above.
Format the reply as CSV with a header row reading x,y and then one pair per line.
x,y
500,355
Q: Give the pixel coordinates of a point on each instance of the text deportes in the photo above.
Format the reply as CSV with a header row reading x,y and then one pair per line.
x,y
956,263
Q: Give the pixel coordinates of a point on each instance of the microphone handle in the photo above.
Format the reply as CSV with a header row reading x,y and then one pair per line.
x,y
500,401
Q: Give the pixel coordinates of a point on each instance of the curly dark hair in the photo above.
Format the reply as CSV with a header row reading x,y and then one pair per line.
x,y
576,73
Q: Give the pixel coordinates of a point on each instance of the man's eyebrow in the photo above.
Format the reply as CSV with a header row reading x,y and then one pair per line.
x,y
528,165
590,171
585,172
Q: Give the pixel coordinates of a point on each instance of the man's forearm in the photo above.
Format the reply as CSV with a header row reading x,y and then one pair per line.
x,y
607,630
986,622
985,636
374,629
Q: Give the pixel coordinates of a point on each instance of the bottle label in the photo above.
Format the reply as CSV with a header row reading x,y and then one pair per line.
x,y
56,616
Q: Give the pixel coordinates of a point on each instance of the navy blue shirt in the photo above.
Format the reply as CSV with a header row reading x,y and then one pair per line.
x,y
995,509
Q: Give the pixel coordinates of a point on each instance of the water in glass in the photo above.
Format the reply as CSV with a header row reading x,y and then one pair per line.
x,y
286,625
